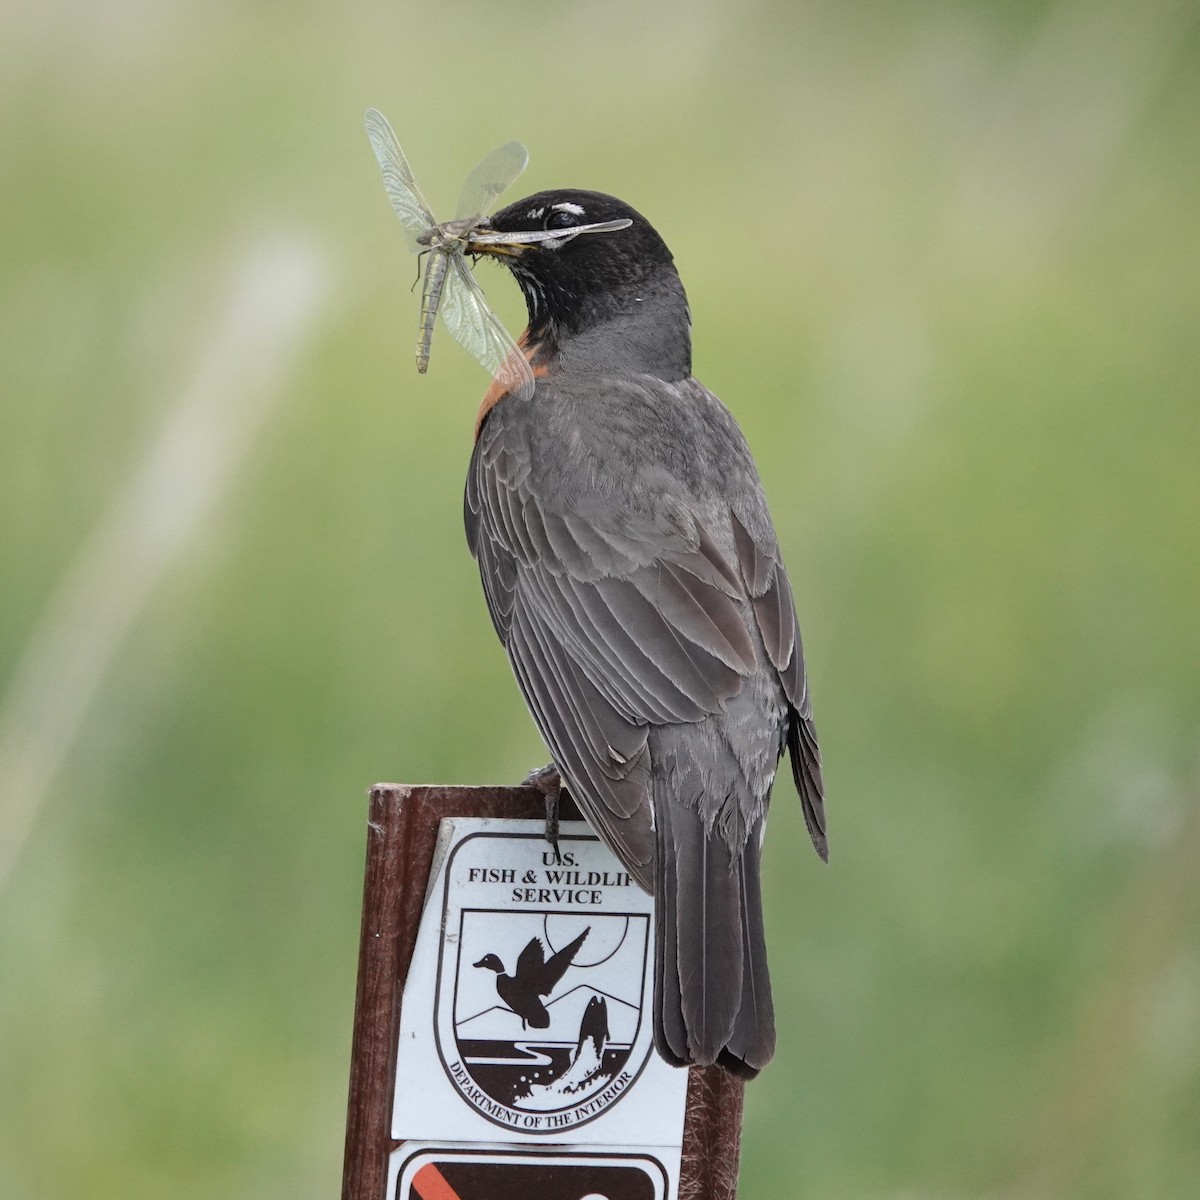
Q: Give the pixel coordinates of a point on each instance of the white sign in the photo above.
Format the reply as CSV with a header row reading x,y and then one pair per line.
x,y
526,1014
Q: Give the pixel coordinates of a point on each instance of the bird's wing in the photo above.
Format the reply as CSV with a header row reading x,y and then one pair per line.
x,y
531,960
557,964
775,613
613,622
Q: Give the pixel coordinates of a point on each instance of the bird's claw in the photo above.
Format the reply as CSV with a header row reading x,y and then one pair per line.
x,y
552,826
548,781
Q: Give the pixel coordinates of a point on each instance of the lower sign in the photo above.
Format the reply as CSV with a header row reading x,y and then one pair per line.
x,y
526,1011
497,1173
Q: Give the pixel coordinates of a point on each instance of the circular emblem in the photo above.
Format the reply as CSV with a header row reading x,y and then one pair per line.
x,y
539,1012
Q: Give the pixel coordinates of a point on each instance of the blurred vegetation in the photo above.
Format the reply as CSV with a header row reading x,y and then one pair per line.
x,y
943,261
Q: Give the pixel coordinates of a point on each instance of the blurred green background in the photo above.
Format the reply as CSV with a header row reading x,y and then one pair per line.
x,y
943,264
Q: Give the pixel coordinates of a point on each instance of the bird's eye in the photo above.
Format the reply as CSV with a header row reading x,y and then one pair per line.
x,y
560,219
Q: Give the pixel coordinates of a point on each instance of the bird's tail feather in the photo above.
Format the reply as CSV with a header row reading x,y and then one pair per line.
x,y
670,1033
752,1042
712,994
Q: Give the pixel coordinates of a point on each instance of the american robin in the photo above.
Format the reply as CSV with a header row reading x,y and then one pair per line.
x,y
633,574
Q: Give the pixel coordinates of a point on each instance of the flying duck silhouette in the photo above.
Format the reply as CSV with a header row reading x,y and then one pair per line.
x,y
535,976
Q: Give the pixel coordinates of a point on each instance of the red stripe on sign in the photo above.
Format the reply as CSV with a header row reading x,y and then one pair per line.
x,y
430,1184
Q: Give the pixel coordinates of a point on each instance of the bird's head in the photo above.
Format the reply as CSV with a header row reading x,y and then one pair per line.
x,y
585,260
492,962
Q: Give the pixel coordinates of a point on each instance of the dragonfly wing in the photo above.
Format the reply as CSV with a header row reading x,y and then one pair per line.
x,y
494,175
398,181
478,329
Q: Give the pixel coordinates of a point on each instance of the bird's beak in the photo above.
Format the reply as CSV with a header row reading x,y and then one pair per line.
x,y
486,240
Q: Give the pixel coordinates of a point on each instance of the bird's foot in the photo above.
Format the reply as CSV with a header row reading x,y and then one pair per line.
x,y
548,781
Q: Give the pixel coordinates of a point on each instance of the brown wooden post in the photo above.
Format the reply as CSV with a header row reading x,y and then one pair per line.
x,y
402,832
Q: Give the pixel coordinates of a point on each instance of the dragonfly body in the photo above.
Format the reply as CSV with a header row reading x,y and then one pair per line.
x,y
444,240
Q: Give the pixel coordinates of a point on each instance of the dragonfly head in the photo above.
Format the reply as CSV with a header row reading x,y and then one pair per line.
x,y
447,233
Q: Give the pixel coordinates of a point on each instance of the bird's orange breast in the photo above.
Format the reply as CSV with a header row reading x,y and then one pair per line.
x,y
497,390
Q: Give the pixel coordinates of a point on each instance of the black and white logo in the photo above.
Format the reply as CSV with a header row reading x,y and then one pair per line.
x,y
543,982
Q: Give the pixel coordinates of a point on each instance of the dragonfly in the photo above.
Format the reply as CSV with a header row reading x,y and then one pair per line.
x,y
449,287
